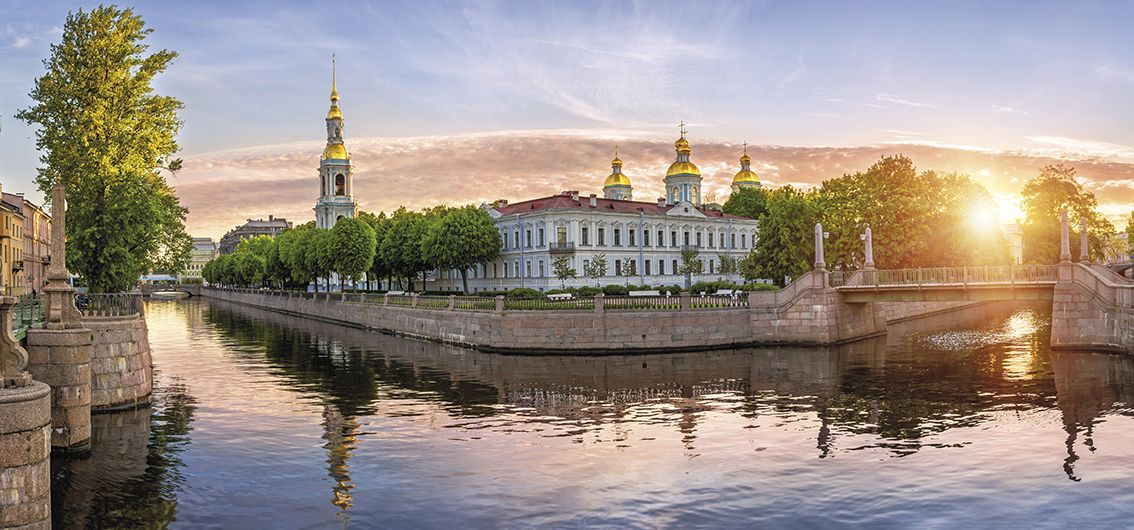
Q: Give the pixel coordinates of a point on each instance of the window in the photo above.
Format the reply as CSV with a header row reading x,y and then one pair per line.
x,y
633,267
661,239
743,240
528,269
710,266
340,184
528,237
586,235
698,239
586,264
618,267
732,241
631,237
675,266
561,235
541,238
722,239
516,268
516,238
645,238
673,238
661,267
617,237
541,272
504,240
647,267
602,237
686,239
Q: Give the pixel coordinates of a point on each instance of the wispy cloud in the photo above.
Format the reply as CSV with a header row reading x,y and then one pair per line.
x,y
21,42
896,100
1114,71
1009,110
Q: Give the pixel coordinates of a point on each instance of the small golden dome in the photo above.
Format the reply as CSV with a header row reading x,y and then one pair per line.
x,y
745,175
682,146
616,162
745,159
682,168
336,151
334,112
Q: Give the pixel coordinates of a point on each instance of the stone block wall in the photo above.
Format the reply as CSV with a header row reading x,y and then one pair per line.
x,y
25,450
61,358
121,366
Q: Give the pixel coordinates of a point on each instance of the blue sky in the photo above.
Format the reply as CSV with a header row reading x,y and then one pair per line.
x,y
1048,79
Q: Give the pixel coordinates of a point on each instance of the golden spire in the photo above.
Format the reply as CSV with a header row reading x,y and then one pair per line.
x,y
682,145
745,158
616,161
334,91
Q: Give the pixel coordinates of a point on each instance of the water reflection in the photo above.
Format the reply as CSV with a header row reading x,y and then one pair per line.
x,y
418,434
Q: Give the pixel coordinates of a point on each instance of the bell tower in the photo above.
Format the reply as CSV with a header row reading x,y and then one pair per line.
x,y
336,199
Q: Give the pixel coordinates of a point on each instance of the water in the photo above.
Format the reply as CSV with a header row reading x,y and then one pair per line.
x,y
267,421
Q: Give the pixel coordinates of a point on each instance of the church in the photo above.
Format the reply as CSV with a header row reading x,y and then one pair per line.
x,y
641,241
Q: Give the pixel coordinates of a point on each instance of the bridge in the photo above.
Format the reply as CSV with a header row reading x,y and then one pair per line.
x,y
191,289
1033,282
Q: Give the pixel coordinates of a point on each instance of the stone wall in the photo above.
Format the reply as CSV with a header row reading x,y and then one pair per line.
x,y
121,367
25,448
61,358
1092,311
801,315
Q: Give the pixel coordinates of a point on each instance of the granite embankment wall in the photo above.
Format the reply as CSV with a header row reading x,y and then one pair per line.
x,y
121,366
803,315
1092,310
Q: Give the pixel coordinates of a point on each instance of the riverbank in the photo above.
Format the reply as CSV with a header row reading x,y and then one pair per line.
x,y
804,317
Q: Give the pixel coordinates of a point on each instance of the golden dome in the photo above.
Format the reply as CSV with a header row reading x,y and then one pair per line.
x,y
682,146
745,159
616,179
336,151
616,162
745,175
682,168
334,112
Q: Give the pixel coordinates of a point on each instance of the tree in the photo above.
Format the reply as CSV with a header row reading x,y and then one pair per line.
x,y
381,225
1129,235
1044,197
628,270
785,246
596,268
562,268
401,248
105,134
747,202
249,268
690,264
353,246
290,246
460,239
728,264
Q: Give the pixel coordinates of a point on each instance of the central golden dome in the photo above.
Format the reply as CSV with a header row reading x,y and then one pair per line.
x,y
682,168
745,175
336,151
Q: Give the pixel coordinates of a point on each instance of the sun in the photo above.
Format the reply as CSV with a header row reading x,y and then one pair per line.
x,y
1011,207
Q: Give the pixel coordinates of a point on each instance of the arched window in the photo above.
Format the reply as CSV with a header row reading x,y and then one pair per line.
x,y
340,184
322,184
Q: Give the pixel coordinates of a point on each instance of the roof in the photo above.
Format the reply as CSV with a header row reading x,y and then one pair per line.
x,y
564,201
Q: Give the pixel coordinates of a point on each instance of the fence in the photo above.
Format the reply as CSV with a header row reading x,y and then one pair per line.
x,y
641,303
109,304
946,276
28,312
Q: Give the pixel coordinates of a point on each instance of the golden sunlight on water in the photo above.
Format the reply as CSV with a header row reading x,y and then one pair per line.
x,y
263,420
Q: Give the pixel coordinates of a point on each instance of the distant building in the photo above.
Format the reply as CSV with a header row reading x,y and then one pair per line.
x,y
254,227
11,247
204,250
1118,249
1014,233
36,241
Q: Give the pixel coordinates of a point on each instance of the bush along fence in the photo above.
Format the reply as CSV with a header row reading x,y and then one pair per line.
x,y
598,303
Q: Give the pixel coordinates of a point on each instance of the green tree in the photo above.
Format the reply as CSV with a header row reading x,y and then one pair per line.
x,y
105,134
1044,198
747,202
562,269
319,255
258,245
728,264
291,251
380,224
596,268
353,247
401,248
785,246
1130,235
628,270
249,269
460,239
690,264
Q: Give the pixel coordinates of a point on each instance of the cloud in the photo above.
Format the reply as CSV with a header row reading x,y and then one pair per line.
x,y
224,188
1114,71
21,42
890,98
1009,110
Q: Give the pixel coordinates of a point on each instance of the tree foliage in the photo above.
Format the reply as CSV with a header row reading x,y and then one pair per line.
x,y
747,202
460,239
561,266
1044,197
596,268
353,246
105,134
785,246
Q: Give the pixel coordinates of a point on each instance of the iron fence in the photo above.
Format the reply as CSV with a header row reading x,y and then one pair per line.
x,y
1006,274
109,304
641,303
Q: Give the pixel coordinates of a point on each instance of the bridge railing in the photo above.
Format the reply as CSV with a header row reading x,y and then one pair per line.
x,y
1003,274
109,304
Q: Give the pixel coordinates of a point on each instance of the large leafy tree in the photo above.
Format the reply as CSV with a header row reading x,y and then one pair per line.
x,y
106,134
460,239
691,264
380,224
1044,197
291,252
401,248
596,269
353,246
785,246
747,202
563,270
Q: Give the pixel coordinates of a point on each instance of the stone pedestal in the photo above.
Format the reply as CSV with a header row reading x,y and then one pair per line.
x,y
25,450
62,358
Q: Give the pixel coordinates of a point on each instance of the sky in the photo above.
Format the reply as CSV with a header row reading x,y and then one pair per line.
x,y
464,102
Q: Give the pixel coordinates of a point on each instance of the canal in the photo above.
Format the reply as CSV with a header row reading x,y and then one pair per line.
x,y
266,421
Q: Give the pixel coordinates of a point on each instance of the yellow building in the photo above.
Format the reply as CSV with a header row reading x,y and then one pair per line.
x,y
11,249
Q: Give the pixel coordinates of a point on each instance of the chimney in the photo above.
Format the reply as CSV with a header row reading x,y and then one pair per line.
x,y
501,203
270,217
661,202
594,201
575,196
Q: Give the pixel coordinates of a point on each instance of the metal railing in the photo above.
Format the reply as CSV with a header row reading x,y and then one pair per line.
x,y
543,304
109,304
946,276
711,301
475,303
641,303
28,312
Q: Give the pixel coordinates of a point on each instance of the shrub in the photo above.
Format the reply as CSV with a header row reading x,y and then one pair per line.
x,y
671,290
560,291
615,290
587,291
523,292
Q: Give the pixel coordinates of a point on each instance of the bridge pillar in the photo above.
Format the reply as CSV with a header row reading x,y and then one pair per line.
x,y
868,236
1064,239
1084,251
25,426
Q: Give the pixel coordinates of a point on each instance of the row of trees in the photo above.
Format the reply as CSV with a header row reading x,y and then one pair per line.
x,y
596,267
370,247
918,220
